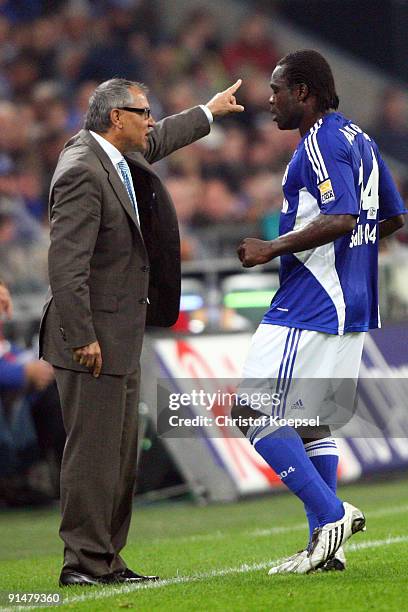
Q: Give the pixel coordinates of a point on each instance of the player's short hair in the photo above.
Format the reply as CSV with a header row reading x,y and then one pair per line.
x,y
310,67
107,96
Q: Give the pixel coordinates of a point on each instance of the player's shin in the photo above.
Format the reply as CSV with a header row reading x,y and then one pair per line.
x,y
324,455
283,450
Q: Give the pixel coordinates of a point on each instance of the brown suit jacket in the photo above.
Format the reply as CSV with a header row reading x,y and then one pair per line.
x,y
103,270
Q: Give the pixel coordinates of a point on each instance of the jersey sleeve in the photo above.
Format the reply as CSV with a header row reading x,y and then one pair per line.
x,y
390,201
332,174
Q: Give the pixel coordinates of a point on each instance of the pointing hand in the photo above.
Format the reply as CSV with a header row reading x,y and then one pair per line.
x,y
225,102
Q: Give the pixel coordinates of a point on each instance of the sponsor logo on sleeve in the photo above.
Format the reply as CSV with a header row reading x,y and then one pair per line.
x,y
326,192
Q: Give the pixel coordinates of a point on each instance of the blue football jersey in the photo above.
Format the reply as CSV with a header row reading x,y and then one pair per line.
x,y
336,170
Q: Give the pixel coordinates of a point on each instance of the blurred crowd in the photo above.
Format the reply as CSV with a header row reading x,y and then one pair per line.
x,y
53,54
32,435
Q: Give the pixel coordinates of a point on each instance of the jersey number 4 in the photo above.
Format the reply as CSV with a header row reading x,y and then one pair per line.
x,y
369,191
363,233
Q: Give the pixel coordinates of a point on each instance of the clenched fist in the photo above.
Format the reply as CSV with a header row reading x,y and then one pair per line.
x,y
253,252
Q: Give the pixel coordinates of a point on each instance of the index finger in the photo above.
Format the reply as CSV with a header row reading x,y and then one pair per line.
x,y
235,86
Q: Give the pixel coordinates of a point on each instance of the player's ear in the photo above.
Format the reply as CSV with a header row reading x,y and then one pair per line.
x,y
303,92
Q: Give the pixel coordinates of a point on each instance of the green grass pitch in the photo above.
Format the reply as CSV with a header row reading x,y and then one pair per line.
x,y
217,557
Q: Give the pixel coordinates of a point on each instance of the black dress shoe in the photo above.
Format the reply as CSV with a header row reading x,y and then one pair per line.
x,y
72,578
128,576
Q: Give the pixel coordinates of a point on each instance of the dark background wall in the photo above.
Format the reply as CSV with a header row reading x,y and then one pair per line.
x,y
376,30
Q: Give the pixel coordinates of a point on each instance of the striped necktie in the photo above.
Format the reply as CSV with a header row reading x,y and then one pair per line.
x,y
127,180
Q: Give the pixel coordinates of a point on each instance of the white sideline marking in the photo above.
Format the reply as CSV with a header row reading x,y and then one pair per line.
x,y
353,547
240,569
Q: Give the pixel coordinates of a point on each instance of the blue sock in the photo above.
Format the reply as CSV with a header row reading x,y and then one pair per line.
x,y
324,455
283,450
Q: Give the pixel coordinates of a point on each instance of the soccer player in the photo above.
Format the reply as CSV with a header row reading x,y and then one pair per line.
x,y
339,201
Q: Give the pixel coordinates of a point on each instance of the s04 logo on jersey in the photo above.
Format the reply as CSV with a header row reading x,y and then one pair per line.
x,y
363,234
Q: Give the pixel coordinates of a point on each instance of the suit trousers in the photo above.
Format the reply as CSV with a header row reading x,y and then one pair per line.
x,y
98,472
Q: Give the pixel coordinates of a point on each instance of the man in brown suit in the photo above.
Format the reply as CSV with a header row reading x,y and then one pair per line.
x,y
114,264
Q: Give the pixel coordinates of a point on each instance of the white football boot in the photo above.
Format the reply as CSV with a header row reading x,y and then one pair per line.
x,y
324,544
286,566
337,563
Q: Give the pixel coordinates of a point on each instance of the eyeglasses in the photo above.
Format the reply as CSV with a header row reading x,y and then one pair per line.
x,y
146,112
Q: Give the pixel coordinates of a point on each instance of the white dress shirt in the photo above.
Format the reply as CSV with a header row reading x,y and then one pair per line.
x,y
115,156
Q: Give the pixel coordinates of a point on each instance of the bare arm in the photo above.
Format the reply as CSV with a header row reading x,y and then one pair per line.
x,y
39,374
391,225
321,230
6,305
